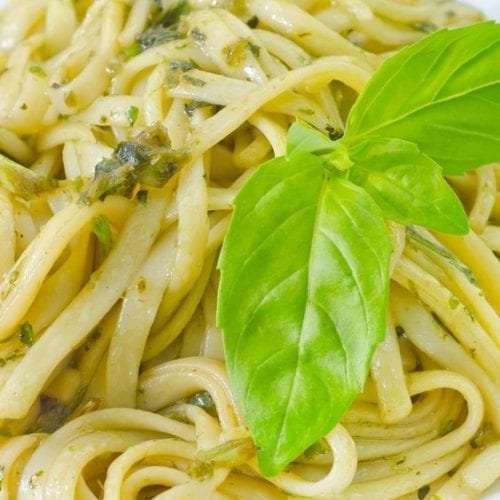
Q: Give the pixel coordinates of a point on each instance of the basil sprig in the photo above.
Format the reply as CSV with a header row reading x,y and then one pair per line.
x,y
305,264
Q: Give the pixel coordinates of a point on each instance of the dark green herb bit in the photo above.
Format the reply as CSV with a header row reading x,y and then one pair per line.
x,y
181,65
26,334
21,181
203,400
163,28
198,36
156,36
141,284
253,22
334,134
484,436
52,416
254,49
423,492
2,475
400,331
148,159
189,108
195,82
142,196
132,114
132,51
101,227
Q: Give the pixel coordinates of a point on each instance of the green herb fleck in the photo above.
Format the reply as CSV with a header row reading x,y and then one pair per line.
x,y
254,49
2,475
453,302
253,22
26,334
333,133
195,82
198,36
189,108
101,227
400,331
423,492
37,70
141,284
142,196
132,114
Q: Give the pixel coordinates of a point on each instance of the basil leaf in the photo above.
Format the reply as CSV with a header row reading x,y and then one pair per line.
x,y
407,185
441,93
305,139
302,302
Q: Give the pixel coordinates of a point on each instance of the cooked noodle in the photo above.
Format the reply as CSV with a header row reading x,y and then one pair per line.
x,y
122,391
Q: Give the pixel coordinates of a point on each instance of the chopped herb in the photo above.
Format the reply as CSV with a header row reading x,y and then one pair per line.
x,y
37,70
147,159
24,106
484,436
445,427
424,26
26,334
2,475
453,302
423,492
132,114
198,36
132,51
156,36
306,111
52,416
34,479
401,461
204,400
333,133
142,196
196,82
141,284
254,49
182,65
190,108
173,16
400,331
253,22
101,227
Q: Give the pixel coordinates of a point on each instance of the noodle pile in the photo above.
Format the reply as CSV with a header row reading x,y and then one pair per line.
x,y
112,381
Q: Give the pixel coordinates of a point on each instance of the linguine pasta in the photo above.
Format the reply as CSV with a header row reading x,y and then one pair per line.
x,y
112,379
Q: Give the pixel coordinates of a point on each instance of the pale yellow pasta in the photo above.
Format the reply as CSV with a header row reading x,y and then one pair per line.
x,y
112,376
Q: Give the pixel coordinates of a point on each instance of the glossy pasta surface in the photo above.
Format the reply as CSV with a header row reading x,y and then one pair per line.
x,y
112,378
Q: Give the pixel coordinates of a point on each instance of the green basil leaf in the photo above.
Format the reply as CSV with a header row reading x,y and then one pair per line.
x,y
305,139
302,302
407,185
441,93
